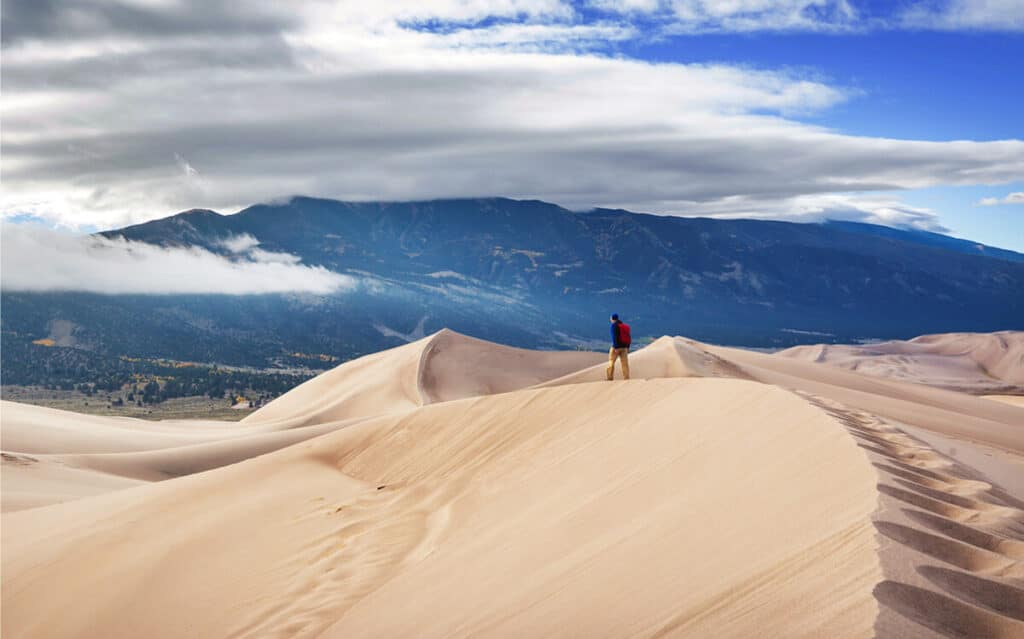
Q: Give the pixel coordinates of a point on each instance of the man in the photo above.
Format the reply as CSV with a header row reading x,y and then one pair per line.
x,y
621,340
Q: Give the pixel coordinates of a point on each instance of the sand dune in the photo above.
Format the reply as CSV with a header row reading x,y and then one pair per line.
x,y
939,410
32,481
52,456
972,362
35,429
482,516
452,487
441,367
951,413
665,357
77,456
952,543
1013,400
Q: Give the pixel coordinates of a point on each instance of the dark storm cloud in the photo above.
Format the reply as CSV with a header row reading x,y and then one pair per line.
x,y
108,69
72,19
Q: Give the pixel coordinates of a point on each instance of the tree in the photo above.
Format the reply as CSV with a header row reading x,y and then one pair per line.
x,y
151,392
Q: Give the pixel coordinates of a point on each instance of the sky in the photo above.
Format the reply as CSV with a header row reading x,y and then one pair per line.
x,y
900,113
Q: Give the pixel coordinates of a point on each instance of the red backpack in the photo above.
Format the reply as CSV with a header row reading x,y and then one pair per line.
x,y
624,337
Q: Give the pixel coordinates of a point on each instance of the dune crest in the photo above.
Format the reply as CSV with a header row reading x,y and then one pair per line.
x,y
664,357
440,367
972,362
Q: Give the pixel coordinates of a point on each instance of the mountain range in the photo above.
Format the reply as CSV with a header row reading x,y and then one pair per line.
x,y
535,274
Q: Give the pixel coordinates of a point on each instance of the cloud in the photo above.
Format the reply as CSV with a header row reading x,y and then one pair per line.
x,y
965,15
546,38
758,15
187,169
885,210
819,16
115,113
42,260
1011,198
627,6
239,243
28,19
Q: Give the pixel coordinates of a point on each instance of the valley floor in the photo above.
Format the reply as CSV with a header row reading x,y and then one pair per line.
x,y
195,407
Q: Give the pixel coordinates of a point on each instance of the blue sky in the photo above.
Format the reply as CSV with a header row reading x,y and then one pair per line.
x,y
921,85
901,113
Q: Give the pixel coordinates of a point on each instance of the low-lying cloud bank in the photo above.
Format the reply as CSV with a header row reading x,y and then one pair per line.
x,y
1016,197
36,259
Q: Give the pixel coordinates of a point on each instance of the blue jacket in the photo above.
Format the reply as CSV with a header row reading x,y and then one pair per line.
x,y
615,336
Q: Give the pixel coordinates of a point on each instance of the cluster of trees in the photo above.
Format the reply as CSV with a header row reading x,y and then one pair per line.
x,y
255,387
139,381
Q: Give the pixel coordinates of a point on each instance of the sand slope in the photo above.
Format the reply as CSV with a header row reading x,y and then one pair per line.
x,y
440,367
31,481
616,509
453,487
996,424
52,456
951,413
974,362
35,429
67,456
665,357
1013,400
952,542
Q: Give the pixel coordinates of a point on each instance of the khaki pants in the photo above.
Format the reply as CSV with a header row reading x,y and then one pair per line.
x,y
614,354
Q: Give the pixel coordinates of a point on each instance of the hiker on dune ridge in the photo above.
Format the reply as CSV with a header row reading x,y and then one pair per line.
x,y
621,340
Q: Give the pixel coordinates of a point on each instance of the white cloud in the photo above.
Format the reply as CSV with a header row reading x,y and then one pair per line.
x,y
240,243
41,260
763,15
548,38
882,209
960,15
821,16
1011,198
248,246
627,6
272,257
187,169
711,16
463,11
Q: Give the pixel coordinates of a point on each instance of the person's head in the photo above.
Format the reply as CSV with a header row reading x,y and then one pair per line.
x,y
615,317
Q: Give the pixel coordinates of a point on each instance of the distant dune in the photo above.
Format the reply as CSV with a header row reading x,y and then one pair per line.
x,y
442,367
979,363
453,487
1015,400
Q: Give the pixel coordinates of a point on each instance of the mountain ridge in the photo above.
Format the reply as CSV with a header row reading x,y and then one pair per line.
x,y
903,233
710,267
527,273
